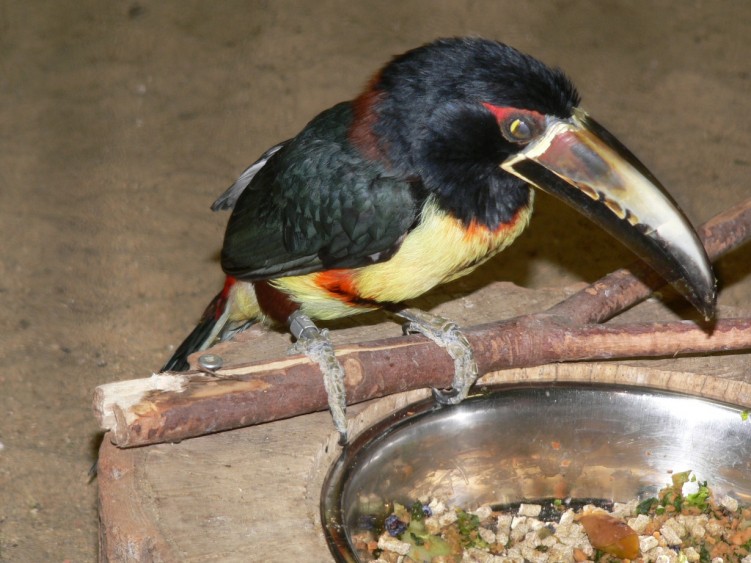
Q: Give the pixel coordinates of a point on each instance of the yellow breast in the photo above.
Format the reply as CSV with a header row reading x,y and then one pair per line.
x,y
438,250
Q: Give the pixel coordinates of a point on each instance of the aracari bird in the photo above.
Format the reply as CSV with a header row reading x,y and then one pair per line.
x,y
417,181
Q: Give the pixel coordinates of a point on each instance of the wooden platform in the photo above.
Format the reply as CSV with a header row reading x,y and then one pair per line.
x,y
252,494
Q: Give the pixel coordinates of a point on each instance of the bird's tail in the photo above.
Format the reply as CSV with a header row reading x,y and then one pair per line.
x,y
211,326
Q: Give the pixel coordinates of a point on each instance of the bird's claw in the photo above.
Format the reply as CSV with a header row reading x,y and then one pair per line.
x,y
317,346
446,334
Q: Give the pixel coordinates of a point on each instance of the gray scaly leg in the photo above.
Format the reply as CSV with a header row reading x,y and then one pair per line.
x,y
446,334
315,343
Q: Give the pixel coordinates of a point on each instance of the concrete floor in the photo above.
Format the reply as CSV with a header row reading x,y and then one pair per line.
x,y
121,121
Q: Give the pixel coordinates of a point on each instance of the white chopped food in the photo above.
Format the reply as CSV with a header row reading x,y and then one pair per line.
x,y
387,543
483,512
532,510
639,523
486,534
625,509
669,528
673,531
447,518
436,507
729,502
670,535
647,543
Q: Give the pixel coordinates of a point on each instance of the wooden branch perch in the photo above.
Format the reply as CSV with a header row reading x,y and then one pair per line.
x,y
169,408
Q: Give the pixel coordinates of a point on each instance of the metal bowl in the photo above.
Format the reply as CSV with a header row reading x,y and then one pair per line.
x,y
536,442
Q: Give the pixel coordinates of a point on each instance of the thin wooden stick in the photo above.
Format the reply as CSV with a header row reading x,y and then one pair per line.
x,y
194,405
168,408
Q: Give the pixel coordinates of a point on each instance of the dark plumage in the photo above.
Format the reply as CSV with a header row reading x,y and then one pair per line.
x,y
456,73
317,204
416,182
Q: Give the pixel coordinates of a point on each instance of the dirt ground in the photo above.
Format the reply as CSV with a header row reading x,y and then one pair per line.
x,y
121,121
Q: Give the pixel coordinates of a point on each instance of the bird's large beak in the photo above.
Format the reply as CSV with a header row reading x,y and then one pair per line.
x,y
580,162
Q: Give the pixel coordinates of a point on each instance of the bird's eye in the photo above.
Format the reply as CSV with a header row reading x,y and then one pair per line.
x,y
518,129
517,125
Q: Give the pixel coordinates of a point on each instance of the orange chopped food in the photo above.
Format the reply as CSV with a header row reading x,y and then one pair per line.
x,y
610,534
684,522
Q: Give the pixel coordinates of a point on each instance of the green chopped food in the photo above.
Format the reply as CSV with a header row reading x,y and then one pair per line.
x,y
646,505
680,479
700,499
672,526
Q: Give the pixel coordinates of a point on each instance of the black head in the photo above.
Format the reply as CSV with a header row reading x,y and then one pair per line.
x,y
434,119
477,121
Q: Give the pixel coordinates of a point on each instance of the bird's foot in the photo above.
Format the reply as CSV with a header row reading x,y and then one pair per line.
x,y
446,334
316,344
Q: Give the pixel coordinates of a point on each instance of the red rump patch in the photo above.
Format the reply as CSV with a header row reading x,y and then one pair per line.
x,y
276,304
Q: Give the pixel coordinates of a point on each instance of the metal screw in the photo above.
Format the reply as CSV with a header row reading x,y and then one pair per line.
x,y
210,362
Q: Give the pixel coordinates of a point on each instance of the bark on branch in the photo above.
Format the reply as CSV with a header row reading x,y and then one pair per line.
x,y
170,408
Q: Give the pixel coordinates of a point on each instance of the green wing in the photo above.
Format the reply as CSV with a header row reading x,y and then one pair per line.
x,y
317,204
